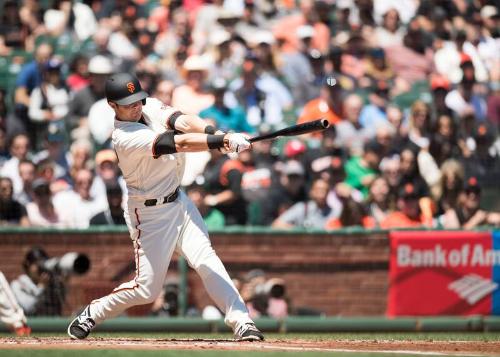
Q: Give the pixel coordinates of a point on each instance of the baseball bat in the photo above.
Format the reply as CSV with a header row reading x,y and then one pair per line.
x,y
293,130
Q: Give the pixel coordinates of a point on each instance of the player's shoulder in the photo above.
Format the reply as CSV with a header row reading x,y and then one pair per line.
x,y
154,104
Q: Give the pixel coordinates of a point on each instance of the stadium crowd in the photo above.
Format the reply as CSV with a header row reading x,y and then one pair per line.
x,y
411,89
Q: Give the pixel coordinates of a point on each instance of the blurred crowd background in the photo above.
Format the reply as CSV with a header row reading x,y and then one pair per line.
x,y
411,89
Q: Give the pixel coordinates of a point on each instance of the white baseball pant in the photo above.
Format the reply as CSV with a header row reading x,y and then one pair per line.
x,y
11,313
156,231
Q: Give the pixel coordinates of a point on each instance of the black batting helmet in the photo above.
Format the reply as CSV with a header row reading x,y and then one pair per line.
x,y
124,89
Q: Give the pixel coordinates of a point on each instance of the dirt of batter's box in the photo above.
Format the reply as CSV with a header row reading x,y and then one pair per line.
x,y
479,348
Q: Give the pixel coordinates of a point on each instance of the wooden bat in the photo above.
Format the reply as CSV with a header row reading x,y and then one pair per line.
x,y
320,124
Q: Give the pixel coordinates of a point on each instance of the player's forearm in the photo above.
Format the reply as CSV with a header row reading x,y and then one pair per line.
x,y
192,142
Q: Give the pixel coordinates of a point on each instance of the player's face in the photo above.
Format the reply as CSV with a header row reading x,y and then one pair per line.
x,y
130,112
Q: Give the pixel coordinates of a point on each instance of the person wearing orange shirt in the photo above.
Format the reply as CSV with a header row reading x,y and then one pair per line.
x,y
326,106
408,213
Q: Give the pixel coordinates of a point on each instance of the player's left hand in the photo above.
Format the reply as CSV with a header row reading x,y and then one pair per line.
x,y
237,142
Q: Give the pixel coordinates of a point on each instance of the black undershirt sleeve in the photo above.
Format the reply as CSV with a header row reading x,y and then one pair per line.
x,y
164,144
172,119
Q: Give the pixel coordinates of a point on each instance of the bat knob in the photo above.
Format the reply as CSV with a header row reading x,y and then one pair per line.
x,y
325,123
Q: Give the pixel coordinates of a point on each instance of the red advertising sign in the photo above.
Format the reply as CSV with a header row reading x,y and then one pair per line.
x,y
441,273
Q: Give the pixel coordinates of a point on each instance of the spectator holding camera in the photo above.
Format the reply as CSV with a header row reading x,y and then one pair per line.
x,y
49,102
39,291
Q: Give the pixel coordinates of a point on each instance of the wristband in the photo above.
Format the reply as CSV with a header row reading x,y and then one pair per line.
x,y
209,129
215,141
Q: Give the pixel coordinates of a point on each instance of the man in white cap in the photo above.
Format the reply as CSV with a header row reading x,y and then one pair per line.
x,y
99,68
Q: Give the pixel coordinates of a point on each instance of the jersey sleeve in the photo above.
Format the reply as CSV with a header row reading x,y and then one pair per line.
x,y
157,112
133,142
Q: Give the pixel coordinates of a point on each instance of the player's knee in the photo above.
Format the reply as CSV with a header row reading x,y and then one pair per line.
x,y
148,293
203,257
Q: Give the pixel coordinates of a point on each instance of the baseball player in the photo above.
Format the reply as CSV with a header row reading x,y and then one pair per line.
x,y
150,139
11,313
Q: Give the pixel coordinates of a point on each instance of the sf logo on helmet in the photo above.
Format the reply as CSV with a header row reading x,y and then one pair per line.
x,y
131,87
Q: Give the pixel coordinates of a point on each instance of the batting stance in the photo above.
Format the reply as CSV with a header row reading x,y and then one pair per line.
x,y
150,139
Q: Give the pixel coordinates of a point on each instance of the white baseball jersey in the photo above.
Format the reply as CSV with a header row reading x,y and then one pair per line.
x,y
157,231
147,177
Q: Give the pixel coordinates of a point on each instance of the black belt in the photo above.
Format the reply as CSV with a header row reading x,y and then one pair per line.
x,y
167,199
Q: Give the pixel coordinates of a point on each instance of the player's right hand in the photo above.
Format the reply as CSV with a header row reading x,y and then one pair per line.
x,y
236,142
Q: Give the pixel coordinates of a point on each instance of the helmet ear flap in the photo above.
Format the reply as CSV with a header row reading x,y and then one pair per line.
x,y
143,101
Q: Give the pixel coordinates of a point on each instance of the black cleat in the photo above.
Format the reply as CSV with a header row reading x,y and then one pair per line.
x,y
81,326
249,332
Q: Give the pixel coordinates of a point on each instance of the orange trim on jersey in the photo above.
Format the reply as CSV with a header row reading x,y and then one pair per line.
x,y
137,261
228,166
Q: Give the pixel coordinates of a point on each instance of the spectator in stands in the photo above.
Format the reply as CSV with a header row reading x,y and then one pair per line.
x,y
444,140
222,177
101,124
286,28
48,102
99,68
213,218
408,213
42,212
265,152
390,167
447,193
19,150
468,214
263,96
350,134
286,191
225,118
79,201
377,67
79,156
378,202
411,61
327,105
297,70
107,173
78,77
192,97
313,213
466,99
54,149
353,213
11,211
262,43
374,114
227,56
28,79
440,87
362,170
419,125
163,91
11,28
390,33
483,162
38,291
27,175
114,214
